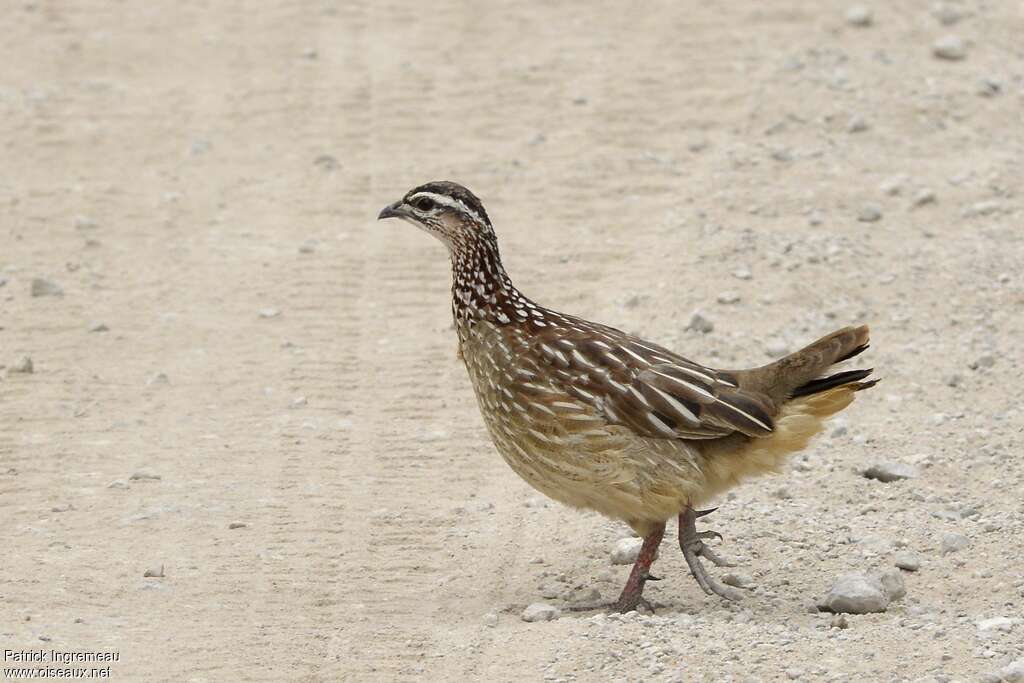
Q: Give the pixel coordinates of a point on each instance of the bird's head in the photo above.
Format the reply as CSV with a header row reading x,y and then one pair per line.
x,y
448,211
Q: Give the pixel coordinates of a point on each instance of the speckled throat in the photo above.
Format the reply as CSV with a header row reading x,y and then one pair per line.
x,y
482,290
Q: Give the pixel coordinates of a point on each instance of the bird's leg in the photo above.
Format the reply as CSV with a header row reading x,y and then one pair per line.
x,y
693,547
632,594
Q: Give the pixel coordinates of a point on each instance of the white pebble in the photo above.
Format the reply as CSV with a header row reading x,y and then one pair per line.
x,y
626,550
952,542
23,366
540,611
700,323
859,15
869,213
949,47
857,593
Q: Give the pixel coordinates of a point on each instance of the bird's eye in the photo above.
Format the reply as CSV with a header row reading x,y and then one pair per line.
x,y
424,204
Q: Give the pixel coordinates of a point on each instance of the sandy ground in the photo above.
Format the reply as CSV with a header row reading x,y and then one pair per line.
x,y
202,178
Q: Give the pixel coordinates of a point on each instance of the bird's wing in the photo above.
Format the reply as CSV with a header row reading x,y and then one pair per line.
x,y
645,387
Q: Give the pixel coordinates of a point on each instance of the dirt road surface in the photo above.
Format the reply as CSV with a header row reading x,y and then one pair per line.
x,y
249,382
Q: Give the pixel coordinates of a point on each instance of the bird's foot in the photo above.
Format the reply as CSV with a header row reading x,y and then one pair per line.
x,y
632,594
692,544
639,604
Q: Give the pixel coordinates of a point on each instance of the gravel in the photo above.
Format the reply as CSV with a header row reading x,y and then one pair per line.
x,y
891,471
22,366
869,213
859,15
856,593
541,611
907,561
626,550
700,323
953,542
44,287
949,47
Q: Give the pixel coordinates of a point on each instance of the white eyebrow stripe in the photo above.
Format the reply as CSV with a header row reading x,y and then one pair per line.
x,y
451,202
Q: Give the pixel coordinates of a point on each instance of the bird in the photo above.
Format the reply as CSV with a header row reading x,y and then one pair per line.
x,y
602,420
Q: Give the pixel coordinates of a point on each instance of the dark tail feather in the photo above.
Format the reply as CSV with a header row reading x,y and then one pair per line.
x,y
856,352
840,378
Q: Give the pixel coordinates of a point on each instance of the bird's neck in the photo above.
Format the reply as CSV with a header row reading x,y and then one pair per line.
x,y
481,289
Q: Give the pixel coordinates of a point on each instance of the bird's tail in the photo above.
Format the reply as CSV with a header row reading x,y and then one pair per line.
x,y
804,372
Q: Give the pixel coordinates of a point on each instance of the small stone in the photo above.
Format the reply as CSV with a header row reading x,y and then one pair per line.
x,y
1002,624
43,287
776,348
22,366
985,361
237,525
840,621
587,596
1013,673
145,475
742,274
550,591
949,47
856,593
892,581
869,213
66,507
794,674
491,619
325,162
99,327
308,247
953,380
84,223
891,471
815,218
738,580
922,197
953,542
310,53
893,186
985,207
626,550
158,378
989,87
700,323
154,573
947,13
118,484
269,312
633,301
858,124
907,561
298,402
540,611
728,298
859,15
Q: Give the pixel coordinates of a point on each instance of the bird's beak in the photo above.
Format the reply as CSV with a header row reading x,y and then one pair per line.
x,y
392,211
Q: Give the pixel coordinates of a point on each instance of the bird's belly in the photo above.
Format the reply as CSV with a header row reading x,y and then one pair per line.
x,y
566,451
